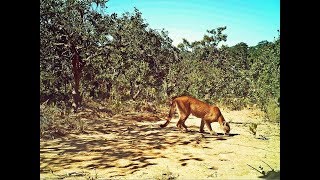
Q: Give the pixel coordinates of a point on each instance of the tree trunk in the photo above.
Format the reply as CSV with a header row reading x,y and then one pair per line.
x,y
108,88
65,95
136,95
132,87
77,66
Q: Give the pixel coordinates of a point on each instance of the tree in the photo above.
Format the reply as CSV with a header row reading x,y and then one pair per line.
x,y
67,31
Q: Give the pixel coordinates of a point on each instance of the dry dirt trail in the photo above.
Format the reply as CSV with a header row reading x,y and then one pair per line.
x,y
133,146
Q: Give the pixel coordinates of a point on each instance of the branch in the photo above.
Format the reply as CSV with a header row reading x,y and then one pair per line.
x,y
98,53
61,44
268,165
135,96
257,170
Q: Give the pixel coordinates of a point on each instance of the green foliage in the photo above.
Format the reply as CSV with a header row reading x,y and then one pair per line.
x,y
265,72
57,121
234,103
125,61
48,117
273,110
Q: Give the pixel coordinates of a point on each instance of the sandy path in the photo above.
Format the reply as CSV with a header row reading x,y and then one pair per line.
x,y
131,147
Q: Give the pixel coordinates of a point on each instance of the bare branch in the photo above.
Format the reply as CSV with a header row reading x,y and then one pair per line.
x,y
268,165
256,169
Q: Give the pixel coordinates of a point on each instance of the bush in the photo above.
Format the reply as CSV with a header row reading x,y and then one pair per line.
x,y
273,110
49,114
56,122
234,103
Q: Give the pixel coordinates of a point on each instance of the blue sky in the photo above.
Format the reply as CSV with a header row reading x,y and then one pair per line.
x,y
249,21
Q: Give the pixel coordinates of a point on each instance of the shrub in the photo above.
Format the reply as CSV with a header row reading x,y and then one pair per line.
x,y
49,115
56,122
273,110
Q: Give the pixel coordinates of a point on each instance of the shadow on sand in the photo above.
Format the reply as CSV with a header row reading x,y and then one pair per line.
x,y
111,139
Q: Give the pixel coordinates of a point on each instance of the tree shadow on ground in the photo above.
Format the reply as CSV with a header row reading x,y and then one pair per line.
x,y
125,143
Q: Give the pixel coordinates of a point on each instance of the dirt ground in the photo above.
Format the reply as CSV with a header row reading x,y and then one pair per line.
x,y
133,146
